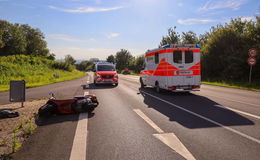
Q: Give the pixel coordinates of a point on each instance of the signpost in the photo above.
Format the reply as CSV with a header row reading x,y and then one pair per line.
x,y
17,91
251,61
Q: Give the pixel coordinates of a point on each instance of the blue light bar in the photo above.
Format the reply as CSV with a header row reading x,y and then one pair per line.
x,y
166,46
197,45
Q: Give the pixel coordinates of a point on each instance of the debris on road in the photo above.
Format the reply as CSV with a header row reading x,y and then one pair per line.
x,y
7,113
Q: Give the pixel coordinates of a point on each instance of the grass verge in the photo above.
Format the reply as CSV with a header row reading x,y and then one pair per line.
x,y
46,78
238,85
36,71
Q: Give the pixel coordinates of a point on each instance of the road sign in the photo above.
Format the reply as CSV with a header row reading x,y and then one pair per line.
x,y
17,91
252,52
251,61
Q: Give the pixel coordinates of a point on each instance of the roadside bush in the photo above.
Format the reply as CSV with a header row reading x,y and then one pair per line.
x,y
62,66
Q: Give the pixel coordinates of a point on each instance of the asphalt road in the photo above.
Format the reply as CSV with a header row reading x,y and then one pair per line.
x,y
133,123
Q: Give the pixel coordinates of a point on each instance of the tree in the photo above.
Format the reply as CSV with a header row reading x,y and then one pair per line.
x,y
1,39
85,65
172,37
22,39
69,60
51,56
189,38
93,60
139,61
12,39
36,45
225,52
111,59
123,59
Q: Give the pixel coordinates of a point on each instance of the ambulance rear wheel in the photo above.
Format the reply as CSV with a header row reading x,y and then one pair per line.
x,y
157,87
142,83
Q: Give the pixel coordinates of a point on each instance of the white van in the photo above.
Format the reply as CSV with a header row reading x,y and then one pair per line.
x,y
174,67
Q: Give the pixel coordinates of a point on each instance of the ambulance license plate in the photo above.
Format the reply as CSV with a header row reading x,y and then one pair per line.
x,y
183,72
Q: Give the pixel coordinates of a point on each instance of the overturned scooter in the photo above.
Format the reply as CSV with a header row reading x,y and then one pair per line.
x,y
78,104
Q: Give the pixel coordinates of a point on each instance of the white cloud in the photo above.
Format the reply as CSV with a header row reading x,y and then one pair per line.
x,y
195,21
112,35
86,9
220,4
64,37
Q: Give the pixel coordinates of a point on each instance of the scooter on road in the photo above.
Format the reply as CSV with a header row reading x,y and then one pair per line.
x,y
78,104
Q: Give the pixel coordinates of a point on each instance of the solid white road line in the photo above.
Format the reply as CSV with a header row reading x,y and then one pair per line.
x,y
79,147
238,111
172,141
86,93
148,120
207,119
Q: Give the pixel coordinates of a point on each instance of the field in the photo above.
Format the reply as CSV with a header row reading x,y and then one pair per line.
x,y
36,71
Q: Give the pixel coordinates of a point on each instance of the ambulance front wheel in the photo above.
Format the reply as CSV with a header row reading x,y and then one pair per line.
x,y
142,83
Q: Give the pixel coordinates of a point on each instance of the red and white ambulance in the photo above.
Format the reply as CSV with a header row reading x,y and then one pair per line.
x,y
174,67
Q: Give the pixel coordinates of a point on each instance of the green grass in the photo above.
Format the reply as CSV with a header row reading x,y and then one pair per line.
x,y
35,71
238,85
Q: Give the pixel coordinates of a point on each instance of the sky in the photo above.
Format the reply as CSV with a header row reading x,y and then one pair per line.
x,y
98,28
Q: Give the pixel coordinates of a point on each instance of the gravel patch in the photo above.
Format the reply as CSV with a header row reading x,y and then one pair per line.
x,y
25,121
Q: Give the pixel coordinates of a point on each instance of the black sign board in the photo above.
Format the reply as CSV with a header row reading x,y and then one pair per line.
x,y
17,91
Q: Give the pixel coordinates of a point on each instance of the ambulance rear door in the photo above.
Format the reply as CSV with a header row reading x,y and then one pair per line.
x,y
188,63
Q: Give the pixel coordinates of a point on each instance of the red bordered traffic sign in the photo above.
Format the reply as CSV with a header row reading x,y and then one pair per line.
x,y
252,52
251,61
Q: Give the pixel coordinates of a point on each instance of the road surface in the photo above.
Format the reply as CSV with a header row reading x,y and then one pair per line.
x,y
133,123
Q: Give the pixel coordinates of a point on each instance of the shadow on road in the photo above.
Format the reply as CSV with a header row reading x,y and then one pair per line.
x,y
58,119
197,104
100,86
